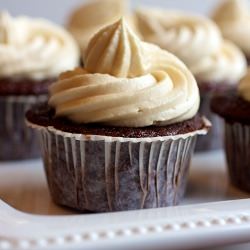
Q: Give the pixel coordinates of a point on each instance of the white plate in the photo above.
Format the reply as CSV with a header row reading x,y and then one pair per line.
x,y
202,224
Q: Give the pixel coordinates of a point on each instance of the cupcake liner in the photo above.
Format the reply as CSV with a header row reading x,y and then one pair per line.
x,y
237,145
17,141
101,173
214,139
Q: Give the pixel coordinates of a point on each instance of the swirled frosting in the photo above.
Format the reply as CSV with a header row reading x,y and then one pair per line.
x,y
34,48
126,82
196,40
233,18
93,16
244,87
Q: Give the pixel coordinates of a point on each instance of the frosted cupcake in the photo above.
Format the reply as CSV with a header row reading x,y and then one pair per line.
x,y
233,18
89,18
119,133
33,52
216,64
234,108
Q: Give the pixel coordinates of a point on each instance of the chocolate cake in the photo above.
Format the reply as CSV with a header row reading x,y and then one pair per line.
x,y
111,174
17,95
18,86
236,113
231,107
44,115
29,64
101,148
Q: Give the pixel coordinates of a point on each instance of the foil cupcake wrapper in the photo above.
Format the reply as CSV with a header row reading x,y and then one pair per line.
x,y
214,139
17,141
102,174
237,145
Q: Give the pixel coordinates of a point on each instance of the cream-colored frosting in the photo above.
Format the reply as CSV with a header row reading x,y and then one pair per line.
x,y
126,82
34,48
244,87
196,40
227,65
87,20
233,18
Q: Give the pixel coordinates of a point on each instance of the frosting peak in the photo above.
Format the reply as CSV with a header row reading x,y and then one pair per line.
x,y
244,87
233,18
126,83
116,51
231,9
95,15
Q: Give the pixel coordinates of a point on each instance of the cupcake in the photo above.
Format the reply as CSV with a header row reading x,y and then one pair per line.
x,y
234,107
89,18
119,133
217,64
233,18
33,52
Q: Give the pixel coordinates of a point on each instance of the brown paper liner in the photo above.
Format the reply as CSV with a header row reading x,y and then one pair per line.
x,y
102,174
17,141
214,138
237,146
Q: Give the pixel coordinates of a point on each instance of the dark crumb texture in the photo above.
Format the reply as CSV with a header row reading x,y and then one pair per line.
x,y
43,115
231,107
24,86
248,61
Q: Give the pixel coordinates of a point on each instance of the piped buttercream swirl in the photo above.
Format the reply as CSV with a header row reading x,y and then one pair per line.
x,y
244,87
34,48
126,82
194,39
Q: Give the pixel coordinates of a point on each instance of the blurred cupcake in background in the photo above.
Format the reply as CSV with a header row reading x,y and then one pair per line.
x,y
119,133
216,63
33,52
234,107
233,18
89,18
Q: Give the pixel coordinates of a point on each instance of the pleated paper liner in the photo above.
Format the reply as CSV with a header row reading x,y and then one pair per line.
x,y
17,141
237,147
101,173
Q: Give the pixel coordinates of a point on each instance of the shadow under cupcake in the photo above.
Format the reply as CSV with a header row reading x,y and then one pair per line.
x,y
29,63
119,134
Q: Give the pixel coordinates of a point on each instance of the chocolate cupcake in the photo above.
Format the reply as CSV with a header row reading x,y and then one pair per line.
x,y
119,133
216,64
33,53
233,19
234,107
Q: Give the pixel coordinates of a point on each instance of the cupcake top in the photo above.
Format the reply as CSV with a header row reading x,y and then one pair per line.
x,y
91,17
34,48
126,82
244,87
234,106
233,18
196,40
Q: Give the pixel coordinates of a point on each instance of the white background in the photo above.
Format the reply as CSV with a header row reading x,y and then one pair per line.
x,y
58,10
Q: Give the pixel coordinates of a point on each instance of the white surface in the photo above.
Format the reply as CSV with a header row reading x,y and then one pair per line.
x,y
204,225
